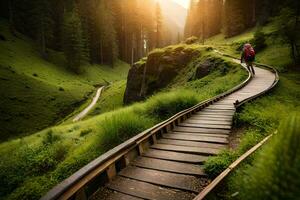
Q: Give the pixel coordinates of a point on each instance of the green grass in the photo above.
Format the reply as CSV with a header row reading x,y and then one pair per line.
x,y
41,160
36,93
277,53
275,173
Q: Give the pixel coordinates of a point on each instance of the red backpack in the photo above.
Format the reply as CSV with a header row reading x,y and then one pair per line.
x,y
249,53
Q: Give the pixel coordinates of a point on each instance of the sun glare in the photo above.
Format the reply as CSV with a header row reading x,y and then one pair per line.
x,y
184,3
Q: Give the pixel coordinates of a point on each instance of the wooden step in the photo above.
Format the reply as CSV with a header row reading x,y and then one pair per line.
x,y
169,166
209,126
107,194
220,114
200,134
212,118
183,149
221,108
147,191
175,156
197,138
165,179
180,142
213,122
200,130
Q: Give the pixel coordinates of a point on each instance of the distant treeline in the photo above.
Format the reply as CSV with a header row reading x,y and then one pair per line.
x,y
207,18
97,31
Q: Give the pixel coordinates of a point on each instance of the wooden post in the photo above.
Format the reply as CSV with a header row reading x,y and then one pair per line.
x,y
111,171
154,139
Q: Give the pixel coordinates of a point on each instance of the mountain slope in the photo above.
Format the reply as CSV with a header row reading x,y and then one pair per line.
x,y
36,93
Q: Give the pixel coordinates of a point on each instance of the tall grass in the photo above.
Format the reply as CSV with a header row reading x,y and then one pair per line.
x,y
164,106
276,170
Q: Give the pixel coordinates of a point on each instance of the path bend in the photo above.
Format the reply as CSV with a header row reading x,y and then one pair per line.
x,y
83,113
166,161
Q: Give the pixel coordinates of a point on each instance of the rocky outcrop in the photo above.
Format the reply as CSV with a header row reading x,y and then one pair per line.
x,y
157,71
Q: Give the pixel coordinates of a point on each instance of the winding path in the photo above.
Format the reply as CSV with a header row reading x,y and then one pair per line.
x,y
170,169
164,162
87,109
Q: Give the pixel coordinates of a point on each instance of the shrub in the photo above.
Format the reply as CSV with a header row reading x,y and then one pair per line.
x,y
216,165
191,40
50,138
259,40
165,105
85,132
121,126
276,170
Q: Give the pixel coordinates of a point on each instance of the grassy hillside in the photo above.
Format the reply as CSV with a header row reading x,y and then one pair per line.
x,y
43,159
277,52
36,93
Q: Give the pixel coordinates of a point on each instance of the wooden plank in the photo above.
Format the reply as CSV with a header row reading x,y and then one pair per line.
x,y
183,149
191,143
107,194
214,122
147,190
210,126
212,117
200,134
165,179
175,156
221,108
169,166
198,138
201,130
219,112
214,113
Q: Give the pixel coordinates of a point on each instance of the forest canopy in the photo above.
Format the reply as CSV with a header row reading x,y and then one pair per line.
x,y
95,31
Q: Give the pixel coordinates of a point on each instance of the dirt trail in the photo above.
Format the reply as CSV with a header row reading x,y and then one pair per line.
x,y
87,109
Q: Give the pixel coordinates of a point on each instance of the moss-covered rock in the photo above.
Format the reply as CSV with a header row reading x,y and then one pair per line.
x,y
157,71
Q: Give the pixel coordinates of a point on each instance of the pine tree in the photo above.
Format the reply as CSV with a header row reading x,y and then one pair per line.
x,y
234,22
107,34
158,22
43,24
73,41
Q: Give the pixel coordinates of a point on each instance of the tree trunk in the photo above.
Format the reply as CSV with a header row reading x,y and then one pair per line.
x,y
11,18
101,52
254,12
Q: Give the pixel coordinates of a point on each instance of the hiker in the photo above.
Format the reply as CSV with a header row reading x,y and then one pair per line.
x,y
248,55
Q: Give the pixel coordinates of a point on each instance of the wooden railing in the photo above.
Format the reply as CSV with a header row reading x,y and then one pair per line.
x,y
83,183
216,182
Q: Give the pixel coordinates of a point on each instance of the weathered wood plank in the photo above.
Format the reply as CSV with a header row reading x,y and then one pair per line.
x,y
183,149
191,143
221,108
213,122
200,130
219,112
147,190
212,117
107,194
198,138
166,179
214,114
201,134
175,156
210,126
169,166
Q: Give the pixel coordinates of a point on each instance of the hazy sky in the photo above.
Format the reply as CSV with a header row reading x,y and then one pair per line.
x,y
184,3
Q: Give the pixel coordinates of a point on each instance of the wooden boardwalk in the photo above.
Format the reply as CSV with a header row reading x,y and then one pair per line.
x,y
171,168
